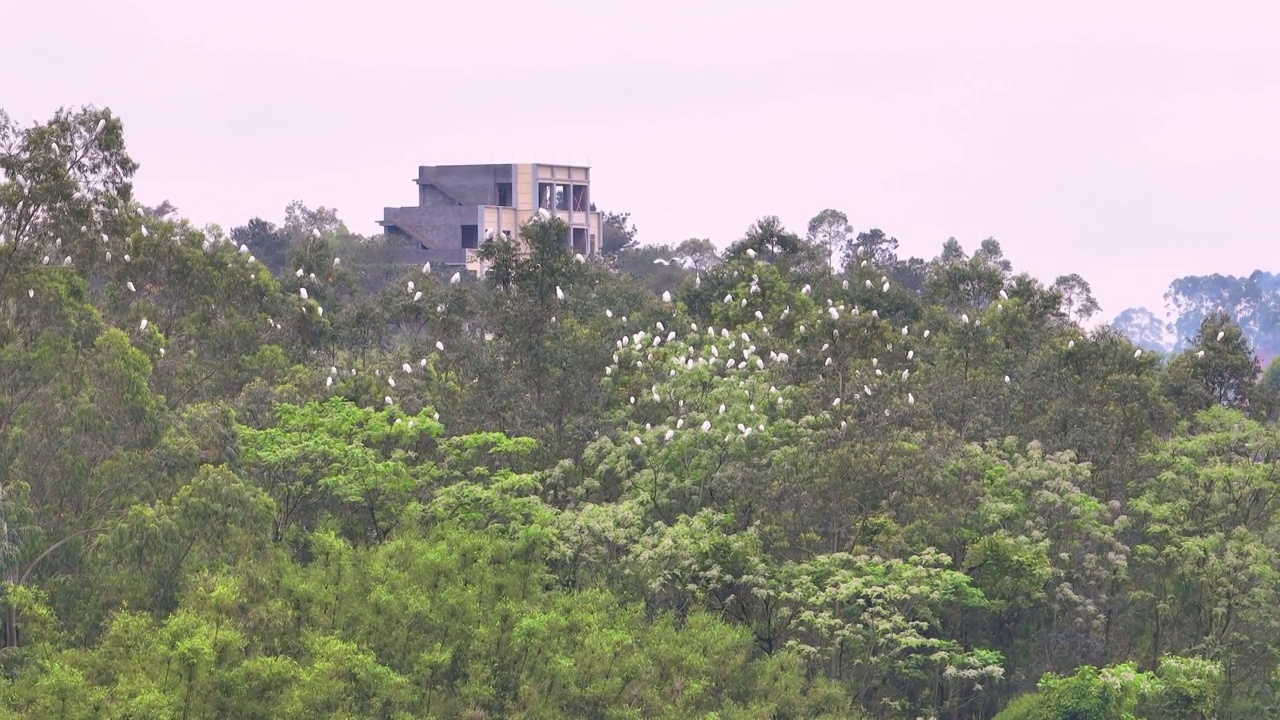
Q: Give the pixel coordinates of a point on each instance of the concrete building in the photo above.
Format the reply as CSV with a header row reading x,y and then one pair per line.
x,y
458,205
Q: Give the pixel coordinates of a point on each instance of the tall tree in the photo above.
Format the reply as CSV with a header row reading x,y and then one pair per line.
x,y
874,246
830,229
1077,297
617,233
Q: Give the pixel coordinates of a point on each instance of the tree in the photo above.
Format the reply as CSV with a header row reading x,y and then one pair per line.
x,y
66,201
1144,329
303,222
873,246
830,229
991,253
265,241
1218,369
161,211
617,233
773,243
1077,297
952,252
700,252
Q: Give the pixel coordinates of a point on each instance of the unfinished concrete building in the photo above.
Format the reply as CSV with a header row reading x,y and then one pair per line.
x,y
460,205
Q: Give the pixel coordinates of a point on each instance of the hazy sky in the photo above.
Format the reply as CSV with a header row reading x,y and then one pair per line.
x,y
1131,142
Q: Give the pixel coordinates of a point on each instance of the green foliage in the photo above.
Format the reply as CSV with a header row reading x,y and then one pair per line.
x,y
298,479
1180,689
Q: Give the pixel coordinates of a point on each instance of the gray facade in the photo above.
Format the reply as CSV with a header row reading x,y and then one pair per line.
x,y
449,217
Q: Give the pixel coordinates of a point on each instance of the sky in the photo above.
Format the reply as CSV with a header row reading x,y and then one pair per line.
x,y
1132,143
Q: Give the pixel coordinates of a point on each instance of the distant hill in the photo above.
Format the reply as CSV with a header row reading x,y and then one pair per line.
x,y
1253,301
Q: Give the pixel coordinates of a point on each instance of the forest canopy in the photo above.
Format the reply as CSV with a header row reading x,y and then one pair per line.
x,y
272,473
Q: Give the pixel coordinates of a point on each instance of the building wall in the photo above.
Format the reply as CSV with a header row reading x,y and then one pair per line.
x,y
440,221
526,187
503,218
470,184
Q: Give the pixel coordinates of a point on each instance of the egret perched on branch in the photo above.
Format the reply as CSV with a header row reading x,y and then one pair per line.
x,y
457,278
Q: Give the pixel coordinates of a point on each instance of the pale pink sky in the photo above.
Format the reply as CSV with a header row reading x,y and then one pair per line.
x,y
1131,142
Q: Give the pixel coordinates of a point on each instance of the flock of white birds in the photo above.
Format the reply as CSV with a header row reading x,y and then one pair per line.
x,y
713,351
731,363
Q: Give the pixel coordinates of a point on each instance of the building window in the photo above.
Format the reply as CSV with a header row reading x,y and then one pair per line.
x,y
470,237
580,203
503,191
546,195
562,197
580,241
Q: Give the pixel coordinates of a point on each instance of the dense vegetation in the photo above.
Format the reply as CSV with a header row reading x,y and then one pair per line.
x,y
272,474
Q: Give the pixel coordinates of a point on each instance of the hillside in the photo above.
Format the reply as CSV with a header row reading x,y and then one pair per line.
x,y
271,474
